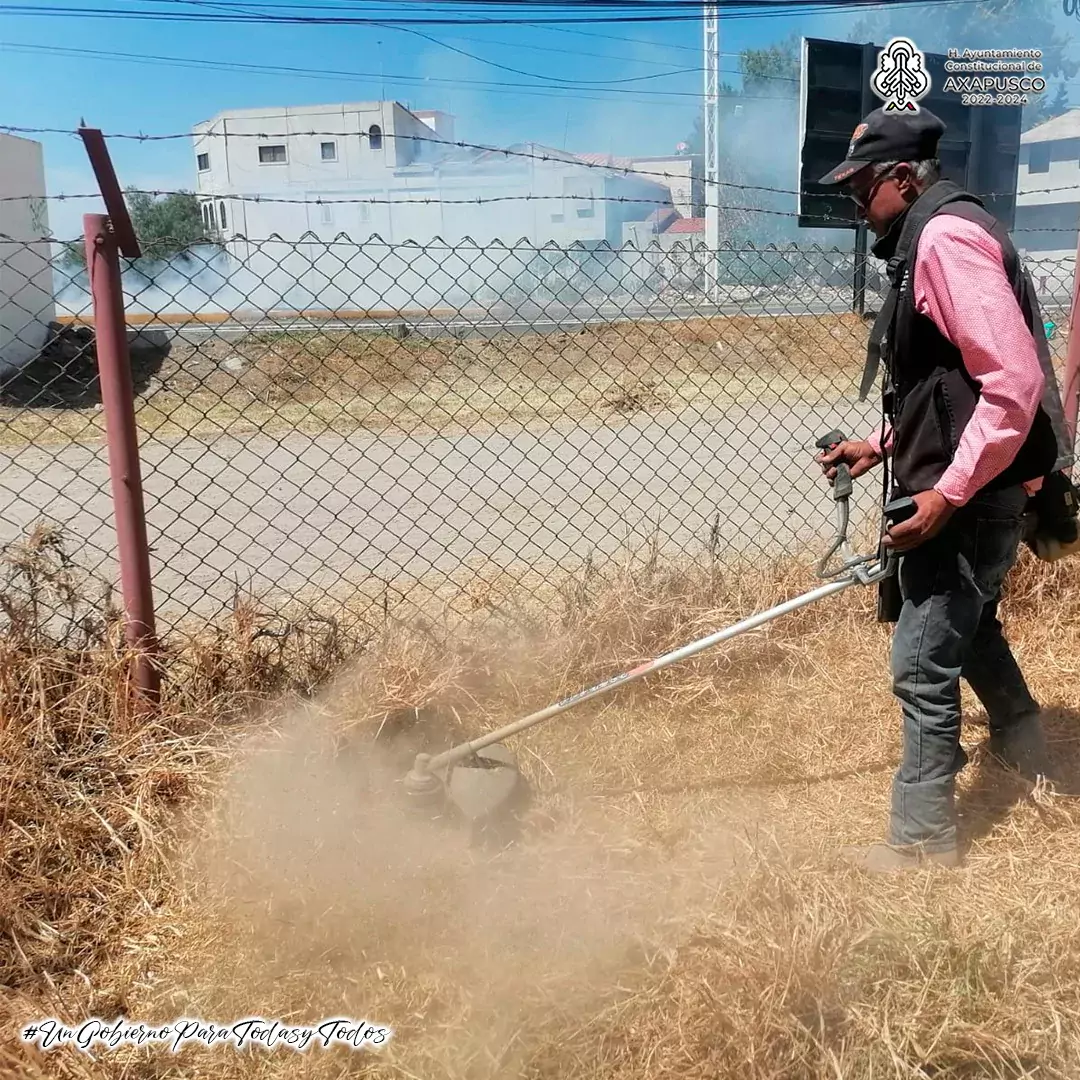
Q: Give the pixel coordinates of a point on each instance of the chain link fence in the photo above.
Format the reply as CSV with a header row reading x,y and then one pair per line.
x,y
321,420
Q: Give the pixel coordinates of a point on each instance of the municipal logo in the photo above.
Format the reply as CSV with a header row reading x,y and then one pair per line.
x,y
900,78
856,135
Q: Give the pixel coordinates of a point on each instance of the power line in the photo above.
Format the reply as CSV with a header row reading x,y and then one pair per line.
x,y
563,51
650,97
332,75
584,82
484,60
532,74
760,9
614,37
453,48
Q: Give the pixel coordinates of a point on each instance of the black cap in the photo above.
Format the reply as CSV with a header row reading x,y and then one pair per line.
x,y
889,136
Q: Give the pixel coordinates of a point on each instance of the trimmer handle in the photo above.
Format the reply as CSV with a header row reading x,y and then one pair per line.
x,y
842,485
899,510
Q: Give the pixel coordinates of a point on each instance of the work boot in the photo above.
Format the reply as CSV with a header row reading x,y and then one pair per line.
x,y
892,858
1022,748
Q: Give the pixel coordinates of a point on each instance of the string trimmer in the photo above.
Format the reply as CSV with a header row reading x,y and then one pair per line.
x,y
479,781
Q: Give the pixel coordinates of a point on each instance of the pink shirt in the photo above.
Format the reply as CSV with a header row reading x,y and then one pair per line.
x,y
961,284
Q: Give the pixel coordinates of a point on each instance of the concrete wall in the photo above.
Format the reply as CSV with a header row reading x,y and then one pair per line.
x,y
641,235
1039,210
231,144
1062,171
439,122
26,285
534,201
685,180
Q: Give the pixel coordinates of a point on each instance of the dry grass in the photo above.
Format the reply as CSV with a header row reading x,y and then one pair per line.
x,y
676,909
340,382
344,381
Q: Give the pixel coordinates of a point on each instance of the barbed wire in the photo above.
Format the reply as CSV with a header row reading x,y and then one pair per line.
x,y
285,384
374,201
479,200
564,157
522,244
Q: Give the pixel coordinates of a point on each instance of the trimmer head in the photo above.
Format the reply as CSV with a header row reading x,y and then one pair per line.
x,y
486,791
489,793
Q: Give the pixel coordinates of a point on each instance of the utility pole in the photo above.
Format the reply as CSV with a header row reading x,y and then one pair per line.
x,y
711,131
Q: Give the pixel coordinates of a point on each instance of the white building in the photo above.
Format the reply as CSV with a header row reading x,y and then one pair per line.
x,y
680,173
378,168
26,285
1048,194
321,150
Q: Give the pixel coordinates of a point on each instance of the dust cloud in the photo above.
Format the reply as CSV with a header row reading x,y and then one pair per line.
x,y
330,893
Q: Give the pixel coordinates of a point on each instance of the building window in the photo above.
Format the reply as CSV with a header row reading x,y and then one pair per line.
x,y
329,151
326,214
364,213
1039,157
375,137
203,161
586,208
207,216
221,216
272,155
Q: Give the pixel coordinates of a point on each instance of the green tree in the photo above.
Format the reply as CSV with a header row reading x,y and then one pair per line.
x,y
766,73
166,226
771,72
767,100
989,24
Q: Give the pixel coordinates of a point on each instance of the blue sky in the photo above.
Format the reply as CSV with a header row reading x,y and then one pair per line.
x,y
154,97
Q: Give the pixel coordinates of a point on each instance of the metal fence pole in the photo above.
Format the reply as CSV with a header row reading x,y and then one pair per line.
x,y
858,285
118,401
1071,390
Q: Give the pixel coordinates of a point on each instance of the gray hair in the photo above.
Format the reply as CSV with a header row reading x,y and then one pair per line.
x,y
925,172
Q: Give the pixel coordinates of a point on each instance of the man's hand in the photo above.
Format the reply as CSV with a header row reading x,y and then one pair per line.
x,y
860,457
933,511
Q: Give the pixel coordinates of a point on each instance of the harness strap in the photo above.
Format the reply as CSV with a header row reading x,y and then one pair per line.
x,y
929,203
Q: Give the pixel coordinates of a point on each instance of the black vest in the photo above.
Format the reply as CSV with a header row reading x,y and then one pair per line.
x,y
928,395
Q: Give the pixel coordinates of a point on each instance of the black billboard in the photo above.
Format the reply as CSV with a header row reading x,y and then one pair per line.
x,y
980,149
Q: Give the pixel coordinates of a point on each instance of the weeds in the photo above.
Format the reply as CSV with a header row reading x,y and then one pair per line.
x,y
677,909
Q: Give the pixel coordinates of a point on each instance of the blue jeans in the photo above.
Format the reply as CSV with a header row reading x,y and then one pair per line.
x,y
948,629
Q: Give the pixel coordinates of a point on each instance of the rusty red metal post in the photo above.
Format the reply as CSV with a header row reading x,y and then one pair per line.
x,y
118,401
1071,389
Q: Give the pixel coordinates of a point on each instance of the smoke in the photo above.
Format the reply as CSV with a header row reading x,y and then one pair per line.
x,y
373,276
477,256
334,901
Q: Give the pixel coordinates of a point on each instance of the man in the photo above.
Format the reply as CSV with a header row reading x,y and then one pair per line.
x,y
968,440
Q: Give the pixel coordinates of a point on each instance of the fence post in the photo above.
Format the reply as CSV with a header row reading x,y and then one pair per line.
x,y
858,282
118,401
1071,389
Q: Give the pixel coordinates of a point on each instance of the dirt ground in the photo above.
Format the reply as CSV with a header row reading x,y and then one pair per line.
x,y
345,381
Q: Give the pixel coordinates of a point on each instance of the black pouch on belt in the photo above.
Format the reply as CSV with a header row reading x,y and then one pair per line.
x,y
1052,515
889,599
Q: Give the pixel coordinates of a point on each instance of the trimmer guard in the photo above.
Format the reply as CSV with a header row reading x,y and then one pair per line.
x,y
489,792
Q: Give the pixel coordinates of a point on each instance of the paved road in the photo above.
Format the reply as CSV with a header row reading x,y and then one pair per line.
x,y
329,511
545,319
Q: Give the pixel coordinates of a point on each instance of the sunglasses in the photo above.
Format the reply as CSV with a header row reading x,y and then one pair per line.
x,y
863,199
